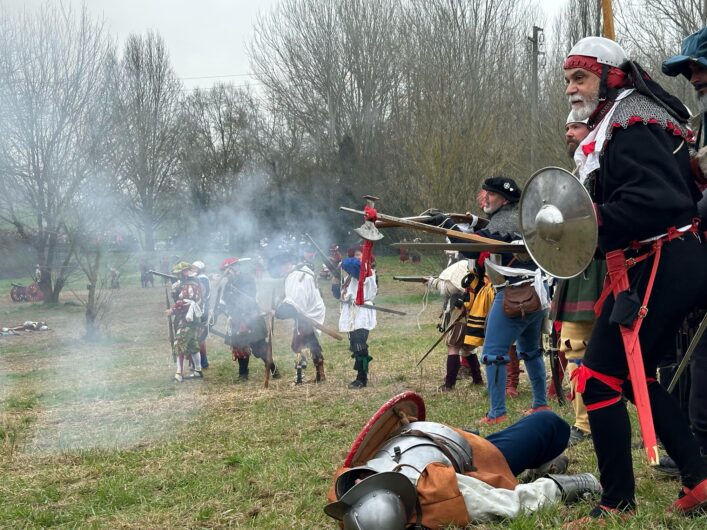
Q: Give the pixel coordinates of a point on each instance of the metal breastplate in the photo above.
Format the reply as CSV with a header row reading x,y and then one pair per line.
x,y
414,446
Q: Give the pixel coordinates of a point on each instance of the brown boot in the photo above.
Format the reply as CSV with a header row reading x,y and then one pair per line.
x,y
320,378
513,371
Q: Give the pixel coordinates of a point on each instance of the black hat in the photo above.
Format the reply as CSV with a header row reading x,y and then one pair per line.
x,y
504,186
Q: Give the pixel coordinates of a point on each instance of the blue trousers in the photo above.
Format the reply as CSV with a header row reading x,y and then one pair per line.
x,y
501,333
532,441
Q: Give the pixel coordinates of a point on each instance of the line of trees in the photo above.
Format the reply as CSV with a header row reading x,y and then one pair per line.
x,y
416,102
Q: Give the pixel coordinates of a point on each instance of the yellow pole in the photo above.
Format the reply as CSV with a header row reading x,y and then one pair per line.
x,y
608,16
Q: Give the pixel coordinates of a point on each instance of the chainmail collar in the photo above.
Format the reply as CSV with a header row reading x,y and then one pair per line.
x,y
630,107
637,108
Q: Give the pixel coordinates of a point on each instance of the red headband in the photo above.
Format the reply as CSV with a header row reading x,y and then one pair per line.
x,y
615,79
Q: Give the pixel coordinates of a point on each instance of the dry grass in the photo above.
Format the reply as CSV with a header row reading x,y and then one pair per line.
x,y
98,435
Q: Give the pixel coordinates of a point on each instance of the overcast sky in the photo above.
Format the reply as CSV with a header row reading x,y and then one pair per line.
x,y
205,38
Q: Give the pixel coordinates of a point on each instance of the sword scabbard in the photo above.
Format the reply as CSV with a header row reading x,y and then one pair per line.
x,y
616,266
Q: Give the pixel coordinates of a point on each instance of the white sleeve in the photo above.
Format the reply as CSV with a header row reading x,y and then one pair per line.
x,y
370,288
486,503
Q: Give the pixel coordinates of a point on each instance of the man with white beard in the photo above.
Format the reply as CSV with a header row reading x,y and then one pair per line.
x,y
636,165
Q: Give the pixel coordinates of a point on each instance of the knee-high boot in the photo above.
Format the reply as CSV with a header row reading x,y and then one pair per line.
x,y
513,374
243,369
319,365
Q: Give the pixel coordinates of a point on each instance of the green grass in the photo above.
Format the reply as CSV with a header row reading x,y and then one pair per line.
x,y
98,435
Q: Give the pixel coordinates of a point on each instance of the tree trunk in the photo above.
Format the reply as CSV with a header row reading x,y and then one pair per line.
x,y
148,228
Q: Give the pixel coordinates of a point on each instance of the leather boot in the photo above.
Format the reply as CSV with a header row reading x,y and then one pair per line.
x,y
576,487
274,372
243,369
320,377
361,380
513,374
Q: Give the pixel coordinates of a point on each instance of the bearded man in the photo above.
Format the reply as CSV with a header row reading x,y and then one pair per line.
x,y
576,130
692,64
501,205
636,164
573,304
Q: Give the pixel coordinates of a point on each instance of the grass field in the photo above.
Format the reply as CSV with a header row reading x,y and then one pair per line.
x,y
99,436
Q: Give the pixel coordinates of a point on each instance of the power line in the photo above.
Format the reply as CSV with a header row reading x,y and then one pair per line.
x,y
217,76
184,89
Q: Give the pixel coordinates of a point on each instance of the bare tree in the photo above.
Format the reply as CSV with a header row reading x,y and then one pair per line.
x,y
53,123
333,67
466,91
89,226
146,109
216,145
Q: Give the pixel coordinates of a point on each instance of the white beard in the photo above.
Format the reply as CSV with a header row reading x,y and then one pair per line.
x,y
583,111
702,98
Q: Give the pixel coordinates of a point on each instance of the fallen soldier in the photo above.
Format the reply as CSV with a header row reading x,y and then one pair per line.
x,y
27,326
405,472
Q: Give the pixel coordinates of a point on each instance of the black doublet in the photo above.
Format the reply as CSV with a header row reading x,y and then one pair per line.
x,y
643,187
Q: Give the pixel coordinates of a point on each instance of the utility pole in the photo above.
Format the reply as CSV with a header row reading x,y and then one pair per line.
x,y
536,40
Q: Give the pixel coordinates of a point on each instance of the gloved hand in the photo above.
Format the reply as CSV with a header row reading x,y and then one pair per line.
x,y
437,220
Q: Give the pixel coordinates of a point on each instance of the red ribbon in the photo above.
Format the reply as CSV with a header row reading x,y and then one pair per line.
x,y
371,215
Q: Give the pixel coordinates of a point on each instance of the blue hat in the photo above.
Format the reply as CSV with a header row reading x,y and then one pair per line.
x,y
352,266
694,48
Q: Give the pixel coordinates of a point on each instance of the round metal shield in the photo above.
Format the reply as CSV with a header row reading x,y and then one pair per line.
x,y
388,419
558,222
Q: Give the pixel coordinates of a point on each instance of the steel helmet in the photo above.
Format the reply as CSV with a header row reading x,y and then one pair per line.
x,y
605,51
199,265
572,119
384,501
